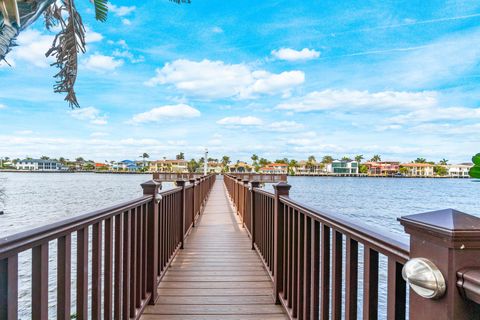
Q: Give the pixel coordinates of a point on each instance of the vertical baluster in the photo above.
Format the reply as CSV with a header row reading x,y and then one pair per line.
x,y
108,270
314,285
351,281
300,264
146,209
290,257
161,235
133,261
293,302
64,252
40,282
117,287
139,267
126,264
97,271
286,254
9,287
325,273
307,267
82,273
337,247
370,284
396,291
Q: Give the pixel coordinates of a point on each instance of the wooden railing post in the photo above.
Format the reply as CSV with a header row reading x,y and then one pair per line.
x,y
253,185
244,204
181,183
192,182
281,189
451,241
152,188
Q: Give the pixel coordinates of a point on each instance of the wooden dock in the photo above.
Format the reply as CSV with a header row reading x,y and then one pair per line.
x,y
217,275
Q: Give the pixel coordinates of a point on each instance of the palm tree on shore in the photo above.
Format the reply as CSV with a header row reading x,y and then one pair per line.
x,y
327,159
420,160
144,156
359,158
376,158
444,162
225,161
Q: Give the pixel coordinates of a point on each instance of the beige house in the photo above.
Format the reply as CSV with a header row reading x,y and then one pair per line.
x,y
169,166
274,168
303,168
240,167
418,169
214,167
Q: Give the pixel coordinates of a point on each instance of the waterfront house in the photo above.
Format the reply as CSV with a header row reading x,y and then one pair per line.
x,y
342,167
418,169
169,166
101,166
382,168
39,165
308,168
459,170
274,168
240,167
214,167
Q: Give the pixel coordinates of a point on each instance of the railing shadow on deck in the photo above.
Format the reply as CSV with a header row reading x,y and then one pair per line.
x,y
313,258
132,244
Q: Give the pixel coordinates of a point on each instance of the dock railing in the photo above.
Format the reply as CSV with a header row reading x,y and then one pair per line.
x,y
131,246
313,259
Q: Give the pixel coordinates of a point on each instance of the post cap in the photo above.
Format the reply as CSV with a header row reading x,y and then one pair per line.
x,y
282,188
450,226
192,181
180,182
255,184
151,187
246,181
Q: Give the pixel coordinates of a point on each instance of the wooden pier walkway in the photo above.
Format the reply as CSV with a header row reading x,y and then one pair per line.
x,y
217,275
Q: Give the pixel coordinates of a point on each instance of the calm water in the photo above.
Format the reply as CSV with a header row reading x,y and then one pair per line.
x,y
33,199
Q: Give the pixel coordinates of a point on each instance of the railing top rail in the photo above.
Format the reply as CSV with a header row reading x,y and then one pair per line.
x,y
379,241
28,239
264,192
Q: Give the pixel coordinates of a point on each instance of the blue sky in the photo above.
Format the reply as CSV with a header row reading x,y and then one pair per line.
x,y
275,78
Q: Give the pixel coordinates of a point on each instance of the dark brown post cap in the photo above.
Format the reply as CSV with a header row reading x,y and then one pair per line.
x,y
246,181
255,184
282,188
452,228
151,187
180,182
192,181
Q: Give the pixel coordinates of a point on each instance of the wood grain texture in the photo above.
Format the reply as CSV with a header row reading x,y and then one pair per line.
x,y
217,275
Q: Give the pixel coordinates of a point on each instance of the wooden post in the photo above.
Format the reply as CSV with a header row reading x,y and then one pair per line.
x,y
253,185
451,240
192,182
181,183
281,189
152,187
244,205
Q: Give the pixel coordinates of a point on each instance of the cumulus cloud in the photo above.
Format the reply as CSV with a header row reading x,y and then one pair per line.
x,y
90,114
101,63
351,99
295,55
179,111
241,121
121,11
285,126
215,79
217,30
2,106
429,115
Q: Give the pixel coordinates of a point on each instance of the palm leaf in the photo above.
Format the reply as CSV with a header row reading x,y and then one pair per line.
x,y
101,10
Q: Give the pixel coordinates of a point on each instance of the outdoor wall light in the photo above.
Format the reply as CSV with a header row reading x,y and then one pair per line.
x,y
424,278
158,197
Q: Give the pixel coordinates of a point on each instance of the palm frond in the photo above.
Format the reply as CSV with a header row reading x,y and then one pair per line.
x,y
101,10
65,48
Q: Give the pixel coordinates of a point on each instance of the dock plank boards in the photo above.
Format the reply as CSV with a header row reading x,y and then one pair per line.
x,y
217,275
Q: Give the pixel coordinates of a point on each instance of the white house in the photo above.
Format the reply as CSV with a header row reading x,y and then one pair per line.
x,y
342,167
39,165
459,170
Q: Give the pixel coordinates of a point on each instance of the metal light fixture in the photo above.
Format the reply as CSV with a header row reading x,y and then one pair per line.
x,y
424,278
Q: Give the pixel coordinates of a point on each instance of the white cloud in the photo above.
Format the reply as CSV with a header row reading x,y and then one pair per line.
x,y
101,63
98,134
121,11
295,55
2,106
436,114
32,46
215,79
24,132
241,121
92,36
217,30
285,126
126,22
90,114
353,99
178,111
447,129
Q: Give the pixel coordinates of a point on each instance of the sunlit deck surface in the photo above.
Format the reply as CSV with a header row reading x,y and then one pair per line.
x,y
217,275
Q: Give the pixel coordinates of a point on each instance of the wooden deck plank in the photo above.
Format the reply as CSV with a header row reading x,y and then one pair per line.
x,y
217,275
